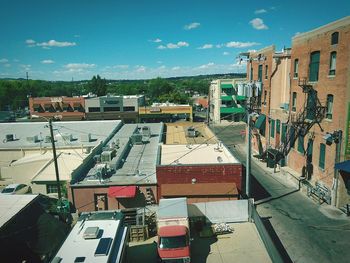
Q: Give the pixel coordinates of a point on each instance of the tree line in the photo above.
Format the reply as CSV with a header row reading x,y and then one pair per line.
x,y
14,93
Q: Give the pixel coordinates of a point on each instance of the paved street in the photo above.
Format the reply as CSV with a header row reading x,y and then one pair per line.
x,y
308,232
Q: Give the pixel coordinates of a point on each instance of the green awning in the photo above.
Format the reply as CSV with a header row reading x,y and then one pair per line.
x,y
226,86
226,98
231,110
260,121
241,97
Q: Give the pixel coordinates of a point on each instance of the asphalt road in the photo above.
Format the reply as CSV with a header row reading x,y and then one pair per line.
x,y
308,232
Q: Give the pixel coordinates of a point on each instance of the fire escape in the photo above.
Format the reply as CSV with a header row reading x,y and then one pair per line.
x,y
300,123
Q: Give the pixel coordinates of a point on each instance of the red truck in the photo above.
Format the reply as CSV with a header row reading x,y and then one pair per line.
x,y
173,231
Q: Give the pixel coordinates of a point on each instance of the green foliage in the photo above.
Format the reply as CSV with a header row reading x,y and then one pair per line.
x,y
14,93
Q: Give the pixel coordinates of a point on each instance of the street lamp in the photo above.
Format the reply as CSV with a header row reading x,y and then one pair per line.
x,y
54,155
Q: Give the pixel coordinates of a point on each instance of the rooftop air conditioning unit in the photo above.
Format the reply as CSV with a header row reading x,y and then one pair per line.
x,y
91,232
33,139
191,132
47,139
106,156
136,138
85,137
10,137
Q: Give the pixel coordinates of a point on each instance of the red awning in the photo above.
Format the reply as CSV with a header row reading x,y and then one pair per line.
x,y
122,191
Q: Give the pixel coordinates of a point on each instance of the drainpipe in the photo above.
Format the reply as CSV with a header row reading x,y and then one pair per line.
x,y
337,138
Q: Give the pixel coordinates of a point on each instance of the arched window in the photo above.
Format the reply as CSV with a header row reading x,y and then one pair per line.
x,y
334,38
314,66
332,63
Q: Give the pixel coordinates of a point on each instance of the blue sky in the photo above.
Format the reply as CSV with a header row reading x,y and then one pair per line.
x,y
128,39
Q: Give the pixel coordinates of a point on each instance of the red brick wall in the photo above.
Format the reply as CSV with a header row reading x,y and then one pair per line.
x,y
337,85
183,174
84,198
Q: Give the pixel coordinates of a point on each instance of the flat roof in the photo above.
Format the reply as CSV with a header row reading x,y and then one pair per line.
x,y
196,154
176,133
136,162
11,205
76,246
99,131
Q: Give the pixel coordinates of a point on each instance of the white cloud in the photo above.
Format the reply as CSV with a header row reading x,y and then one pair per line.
x,y
47,61
192,26
219,45
258,24
7,65
205,66
26,67
140,68
206,46
175,68
50,43
297,33
15,60
174,46
76,35
159,62
4,60
78,67
226,53
121,66
237,44
260,11
162,67
157,40
161,47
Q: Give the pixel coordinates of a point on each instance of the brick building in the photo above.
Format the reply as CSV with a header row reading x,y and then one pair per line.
x,y
200,172
320,67
65,108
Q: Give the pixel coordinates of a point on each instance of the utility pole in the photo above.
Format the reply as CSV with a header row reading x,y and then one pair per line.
x,y
56,164
247,174
337,138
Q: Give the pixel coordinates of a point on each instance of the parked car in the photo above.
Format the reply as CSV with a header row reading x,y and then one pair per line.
x,y
12,189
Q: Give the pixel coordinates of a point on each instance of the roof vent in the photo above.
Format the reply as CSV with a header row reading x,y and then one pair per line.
x,y
10,138
67,137
91,232
86,137
33,139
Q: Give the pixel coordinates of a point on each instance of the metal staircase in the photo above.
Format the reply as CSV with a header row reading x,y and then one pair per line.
x,y
299,124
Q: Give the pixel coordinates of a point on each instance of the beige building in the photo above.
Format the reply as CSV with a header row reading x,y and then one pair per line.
x,y
225,101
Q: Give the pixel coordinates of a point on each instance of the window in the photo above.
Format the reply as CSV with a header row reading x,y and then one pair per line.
x,y
335,38
278,126
130,108
329,114
301,144
272,127
296,68
292,137
294,101
314,66
107,109
265,96
266,70
94,109
51,188
311,105
321,161
332,63
251,71
284,132
260,72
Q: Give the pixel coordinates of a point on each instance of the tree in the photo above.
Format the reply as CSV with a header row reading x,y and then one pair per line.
x,y
98,86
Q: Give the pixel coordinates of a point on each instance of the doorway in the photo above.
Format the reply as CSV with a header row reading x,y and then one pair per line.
x,y
101,202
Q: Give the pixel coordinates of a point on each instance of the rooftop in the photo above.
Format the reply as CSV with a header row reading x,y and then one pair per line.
x,y
67,134
109,226
176,133
11,205
196,154
131,157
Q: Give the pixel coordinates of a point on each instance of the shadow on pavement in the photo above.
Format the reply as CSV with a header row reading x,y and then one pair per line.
x,y
277,197
142,253
276,240
201,247
258,192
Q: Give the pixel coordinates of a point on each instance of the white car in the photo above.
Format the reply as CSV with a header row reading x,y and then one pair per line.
x,y
13,189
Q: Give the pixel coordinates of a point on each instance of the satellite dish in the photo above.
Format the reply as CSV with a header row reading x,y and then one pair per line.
x,y
219,159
